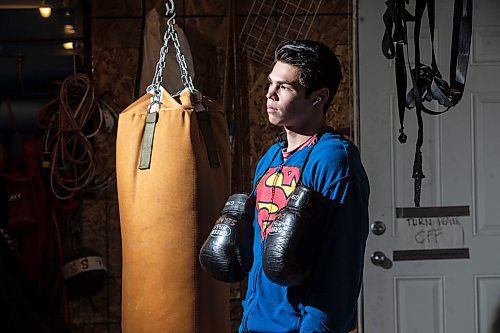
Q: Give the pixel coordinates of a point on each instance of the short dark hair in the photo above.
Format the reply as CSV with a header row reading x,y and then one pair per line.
x,y
318,64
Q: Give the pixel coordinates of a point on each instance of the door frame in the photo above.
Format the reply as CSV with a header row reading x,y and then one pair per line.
x,y
356,125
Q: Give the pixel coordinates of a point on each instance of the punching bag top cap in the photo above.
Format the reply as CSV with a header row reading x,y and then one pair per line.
x,y
302,197
239,203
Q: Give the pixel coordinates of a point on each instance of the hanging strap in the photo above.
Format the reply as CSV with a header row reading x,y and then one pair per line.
x,y
427,81
460,48
147,139
418,173
207,132
393,41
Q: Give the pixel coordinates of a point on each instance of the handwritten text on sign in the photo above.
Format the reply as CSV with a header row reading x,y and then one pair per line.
x,y
431,232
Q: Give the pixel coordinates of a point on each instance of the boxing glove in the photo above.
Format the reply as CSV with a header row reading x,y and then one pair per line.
x,y
227,254
287,255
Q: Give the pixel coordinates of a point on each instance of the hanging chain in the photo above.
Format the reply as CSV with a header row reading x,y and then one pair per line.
x,y
171,34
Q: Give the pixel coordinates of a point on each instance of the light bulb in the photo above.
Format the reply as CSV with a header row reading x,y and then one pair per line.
x,y
45,11
68,46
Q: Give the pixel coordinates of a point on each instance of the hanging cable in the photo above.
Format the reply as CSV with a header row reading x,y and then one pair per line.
x,y
69,123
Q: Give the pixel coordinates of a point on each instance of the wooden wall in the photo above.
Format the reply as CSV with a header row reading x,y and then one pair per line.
x,y
115,39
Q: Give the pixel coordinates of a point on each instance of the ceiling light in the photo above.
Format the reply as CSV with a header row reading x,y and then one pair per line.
x,y
45,10
69,29
68,46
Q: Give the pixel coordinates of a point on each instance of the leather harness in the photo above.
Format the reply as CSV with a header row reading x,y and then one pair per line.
x,y
427,81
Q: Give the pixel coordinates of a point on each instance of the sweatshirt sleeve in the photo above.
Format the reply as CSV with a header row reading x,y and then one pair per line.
x,y
331,292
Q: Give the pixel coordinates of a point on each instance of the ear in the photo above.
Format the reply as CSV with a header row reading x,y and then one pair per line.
x,y
320,96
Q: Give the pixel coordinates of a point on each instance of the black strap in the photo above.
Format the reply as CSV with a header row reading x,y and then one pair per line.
x,y
401,90
265,171
428,84
396,16
420,80
207,132
460,47
427,81
418,173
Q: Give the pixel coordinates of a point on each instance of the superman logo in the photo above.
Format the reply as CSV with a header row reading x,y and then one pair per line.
x,y
273,191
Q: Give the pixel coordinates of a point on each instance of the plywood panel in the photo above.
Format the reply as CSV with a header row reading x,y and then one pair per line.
x,y
110,33
115,7
207,41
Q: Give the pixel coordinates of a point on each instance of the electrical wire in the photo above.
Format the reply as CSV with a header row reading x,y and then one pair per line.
x,y
66,120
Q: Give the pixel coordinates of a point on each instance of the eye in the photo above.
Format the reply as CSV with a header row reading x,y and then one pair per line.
x,y
284,87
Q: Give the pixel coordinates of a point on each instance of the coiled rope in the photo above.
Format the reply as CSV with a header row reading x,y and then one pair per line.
x,y
69,122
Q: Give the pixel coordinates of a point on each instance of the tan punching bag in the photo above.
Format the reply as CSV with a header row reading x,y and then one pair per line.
x,y
173,177
166,212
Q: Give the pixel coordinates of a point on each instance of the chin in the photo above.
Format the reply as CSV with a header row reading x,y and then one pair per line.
x,y
274,120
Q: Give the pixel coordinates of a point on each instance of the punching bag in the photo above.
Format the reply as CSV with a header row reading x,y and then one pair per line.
x,y
173,178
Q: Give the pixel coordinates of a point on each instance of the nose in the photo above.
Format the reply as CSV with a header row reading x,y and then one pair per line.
x,y
271,92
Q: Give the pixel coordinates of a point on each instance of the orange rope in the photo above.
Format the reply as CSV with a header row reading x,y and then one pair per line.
x,y
65,119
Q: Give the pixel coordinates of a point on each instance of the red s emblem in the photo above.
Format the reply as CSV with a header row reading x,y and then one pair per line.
x,y
273,191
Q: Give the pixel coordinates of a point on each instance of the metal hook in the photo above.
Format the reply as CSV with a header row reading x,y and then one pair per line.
x,y
170,7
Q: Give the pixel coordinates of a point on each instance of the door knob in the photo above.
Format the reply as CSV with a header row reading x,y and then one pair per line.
x,y
378,228
379,259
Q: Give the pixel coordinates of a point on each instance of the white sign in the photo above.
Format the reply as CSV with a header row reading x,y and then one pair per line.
x,y
417,233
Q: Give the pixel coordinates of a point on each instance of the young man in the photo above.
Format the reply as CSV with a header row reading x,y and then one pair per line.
x,y
302,84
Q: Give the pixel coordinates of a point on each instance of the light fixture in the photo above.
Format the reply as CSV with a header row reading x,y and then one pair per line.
x,y
45,10
68,46
69,29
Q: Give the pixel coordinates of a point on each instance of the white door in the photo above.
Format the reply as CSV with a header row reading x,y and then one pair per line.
x,y
427,284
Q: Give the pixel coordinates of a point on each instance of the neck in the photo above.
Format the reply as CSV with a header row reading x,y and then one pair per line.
x,y
295,136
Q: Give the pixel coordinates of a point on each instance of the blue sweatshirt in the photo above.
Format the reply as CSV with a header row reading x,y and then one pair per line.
x,y
327,300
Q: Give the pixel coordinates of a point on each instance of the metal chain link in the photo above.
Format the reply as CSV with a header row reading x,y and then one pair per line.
x,y
170,33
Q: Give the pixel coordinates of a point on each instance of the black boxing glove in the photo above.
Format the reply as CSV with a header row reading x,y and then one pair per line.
x,y
227,254
287,256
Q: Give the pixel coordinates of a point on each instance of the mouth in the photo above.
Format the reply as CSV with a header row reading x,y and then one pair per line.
x,y
271,109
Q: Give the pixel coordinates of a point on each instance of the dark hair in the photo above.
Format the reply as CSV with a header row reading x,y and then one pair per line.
x,y
318,64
